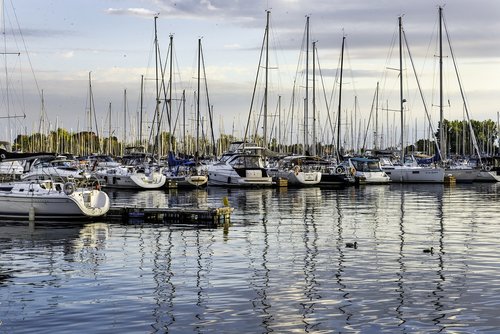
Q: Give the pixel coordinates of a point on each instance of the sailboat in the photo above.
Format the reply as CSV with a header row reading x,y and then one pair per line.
x,y
242,164
407,170
136,171
188,173
59,168
49,199
45,199
462,172
333,173
296,169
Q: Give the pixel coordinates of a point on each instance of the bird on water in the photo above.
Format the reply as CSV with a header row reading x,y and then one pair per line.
x,y
352,244
429,250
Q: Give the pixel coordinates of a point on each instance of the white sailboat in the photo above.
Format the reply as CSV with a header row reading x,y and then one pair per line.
x,y
298,170
48,198
189,173
408,171
57,169
136,172
462,172
51,200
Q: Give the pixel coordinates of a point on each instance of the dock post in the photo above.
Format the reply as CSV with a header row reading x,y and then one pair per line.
x,y
31,214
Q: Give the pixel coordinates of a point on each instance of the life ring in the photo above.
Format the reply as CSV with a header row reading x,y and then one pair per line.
x,y
353,171
296,170
340,170
487,168
69,188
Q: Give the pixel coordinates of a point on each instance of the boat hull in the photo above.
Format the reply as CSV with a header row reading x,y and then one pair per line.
x,y
372,178
331,180
298,179
463,175
402,174
225,175
133,180
55,205
189,181
487,176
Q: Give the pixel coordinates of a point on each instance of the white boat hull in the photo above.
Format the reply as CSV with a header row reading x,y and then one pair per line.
x,y
463,175
28,199
372,178
404,174
138,180
298,179
221,174
487,176
190,181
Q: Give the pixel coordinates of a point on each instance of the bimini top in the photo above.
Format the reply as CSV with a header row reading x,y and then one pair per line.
x,y
360,159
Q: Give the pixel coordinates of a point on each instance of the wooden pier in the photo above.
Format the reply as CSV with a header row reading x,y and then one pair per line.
x,y
209,217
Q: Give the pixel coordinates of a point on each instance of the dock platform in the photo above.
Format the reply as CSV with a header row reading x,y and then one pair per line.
x,y
207,217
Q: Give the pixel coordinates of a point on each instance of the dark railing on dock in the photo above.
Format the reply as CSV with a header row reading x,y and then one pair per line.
x,y
210,217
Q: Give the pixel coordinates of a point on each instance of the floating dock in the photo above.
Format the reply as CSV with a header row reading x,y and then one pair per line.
x,y
208,217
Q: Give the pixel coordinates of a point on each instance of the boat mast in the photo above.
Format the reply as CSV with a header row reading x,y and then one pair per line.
x,y
306,100
314,99
279,124
441,116
109,130
339,149
170,113
184,148
375,135
198,102
402,101
140,118
43,147
157,107
124,117
210,107
266,82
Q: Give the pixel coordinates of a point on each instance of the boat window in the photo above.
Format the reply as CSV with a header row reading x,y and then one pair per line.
x,y
247,162
367,166
373,166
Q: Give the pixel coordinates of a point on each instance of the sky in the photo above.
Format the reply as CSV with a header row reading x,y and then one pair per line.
x,y
66,46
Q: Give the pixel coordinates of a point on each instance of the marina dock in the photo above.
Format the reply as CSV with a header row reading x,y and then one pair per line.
x,y
207,217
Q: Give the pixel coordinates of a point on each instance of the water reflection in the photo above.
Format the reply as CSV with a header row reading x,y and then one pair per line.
x,y
283,265
26,248
310,239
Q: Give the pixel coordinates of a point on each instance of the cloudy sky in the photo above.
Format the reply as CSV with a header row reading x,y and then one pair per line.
x,y
60,42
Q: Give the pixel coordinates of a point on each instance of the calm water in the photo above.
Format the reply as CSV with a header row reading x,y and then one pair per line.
x,y
282,266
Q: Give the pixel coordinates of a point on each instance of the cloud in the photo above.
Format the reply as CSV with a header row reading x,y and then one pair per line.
x,y
142,12
208,4
68,54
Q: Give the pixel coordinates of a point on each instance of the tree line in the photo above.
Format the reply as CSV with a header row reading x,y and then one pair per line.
x,y
457,135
